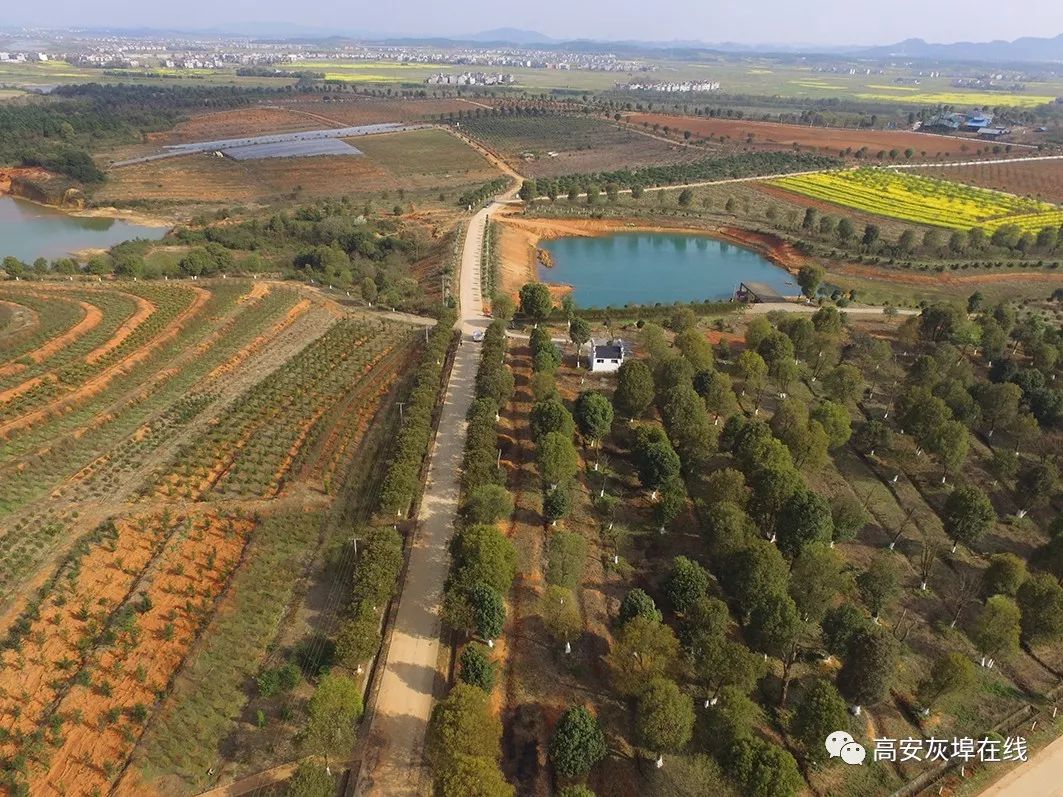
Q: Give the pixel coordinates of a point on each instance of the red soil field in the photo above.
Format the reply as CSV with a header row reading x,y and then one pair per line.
x,y
1038,179
828,140
178,589
234,124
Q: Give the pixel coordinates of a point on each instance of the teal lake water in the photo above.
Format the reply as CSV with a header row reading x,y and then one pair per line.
x,y
650,267
29,231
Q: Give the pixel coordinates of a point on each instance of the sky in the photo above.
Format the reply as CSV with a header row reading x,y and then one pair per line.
x,y
754,21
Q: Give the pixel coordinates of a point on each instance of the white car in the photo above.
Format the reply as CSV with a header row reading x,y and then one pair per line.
x,y
477,336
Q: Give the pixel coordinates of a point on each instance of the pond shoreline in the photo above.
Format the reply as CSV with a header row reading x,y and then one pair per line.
x,y
520,237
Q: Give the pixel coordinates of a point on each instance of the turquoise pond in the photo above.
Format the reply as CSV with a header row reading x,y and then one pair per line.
x,y
651,267
29,231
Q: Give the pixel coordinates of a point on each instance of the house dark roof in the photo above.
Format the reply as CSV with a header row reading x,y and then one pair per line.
x,y
608,351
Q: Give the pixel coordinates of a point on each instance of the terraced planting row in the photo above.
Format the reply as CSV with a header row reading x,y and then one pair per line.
x,y
102,649
52,319
150,325
132,431
925,200
250,449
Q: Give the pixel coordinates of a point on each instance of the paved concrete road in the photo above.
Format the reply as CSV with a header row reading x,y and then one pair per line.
x,y
393,763
1041,776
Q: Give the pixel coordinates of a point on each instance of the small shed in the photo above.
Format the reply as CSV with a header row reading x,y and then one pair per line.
x,y
607,356
758,293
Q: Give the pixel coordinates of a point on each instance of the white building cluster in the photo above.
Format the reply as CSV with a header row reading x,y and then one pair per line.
x,y
673,87
470,79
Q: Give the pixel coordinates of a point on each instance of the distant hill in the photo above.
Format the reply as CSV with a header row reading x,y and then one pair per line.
x,y
510,36
1028,48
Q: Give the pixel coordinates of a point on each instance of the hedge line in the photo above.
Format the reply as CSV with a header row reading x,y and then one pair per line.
x,y
415,433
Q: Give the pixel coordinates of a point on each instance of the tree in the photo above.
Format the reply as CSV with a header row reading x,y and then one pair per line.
x,y
334,710
359,636
577,790
805,518
535,301
670,502
578,743
594,414
716,389
695,348
996,629
967,515
809,278
873,436
311,779
840,625
849,516
483,554
845,230
688,426
472,776
488,611
655,459
754,572
687,582
1004,576
644,649
820,713
560,613
835,420
634,389
880,584
557,502
637,603
503,307
567,554
950,674
487,503
726,485
949,443
1037,482
664,718
527,190
764,769
815,579
557,458
1040,600
579,332
753,371
551,416
463,724
844,383
477,668
870,662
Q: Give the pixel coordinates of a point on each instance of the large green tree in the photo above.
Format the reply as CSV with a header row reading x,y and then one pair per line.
x,y
577,744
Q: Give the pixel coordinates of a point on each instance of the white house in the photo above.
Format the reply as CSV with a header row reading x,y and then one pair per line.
x,y
607,356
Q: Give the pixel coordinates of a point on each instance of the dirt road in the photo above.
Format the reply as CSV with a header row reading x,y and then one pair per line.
x,y
1042,775
393,761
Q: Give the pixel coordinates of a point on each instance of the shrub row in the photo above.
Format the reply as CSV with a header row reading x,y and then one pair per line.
x,y
414,435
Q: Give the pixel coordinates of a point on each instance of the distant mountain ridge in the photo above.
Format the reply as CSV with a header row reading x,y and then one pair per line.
x,y
1027,48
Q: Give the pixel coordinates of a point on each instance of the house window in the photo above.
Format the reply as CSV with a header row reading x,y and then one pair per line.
x,y
600,361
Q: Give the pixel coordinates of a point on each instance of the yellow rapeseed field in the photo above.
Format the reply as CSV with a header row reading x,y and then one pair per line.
x,y
925,200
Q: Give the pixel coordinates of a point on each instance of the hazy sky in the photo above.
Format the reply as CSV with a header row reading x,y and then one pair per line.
x,y
755,21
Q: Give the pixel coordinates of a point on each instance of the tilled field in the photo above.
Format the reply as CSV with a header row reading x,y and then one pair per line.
x,y
148,433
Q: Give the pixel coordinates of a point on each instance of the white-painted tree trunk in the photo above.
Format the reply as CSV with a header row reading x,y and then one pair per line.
x,y
856,711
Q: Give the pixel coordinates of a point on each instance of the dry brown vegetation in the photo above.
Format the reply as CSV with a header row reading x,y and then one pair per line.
x,y
828,140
